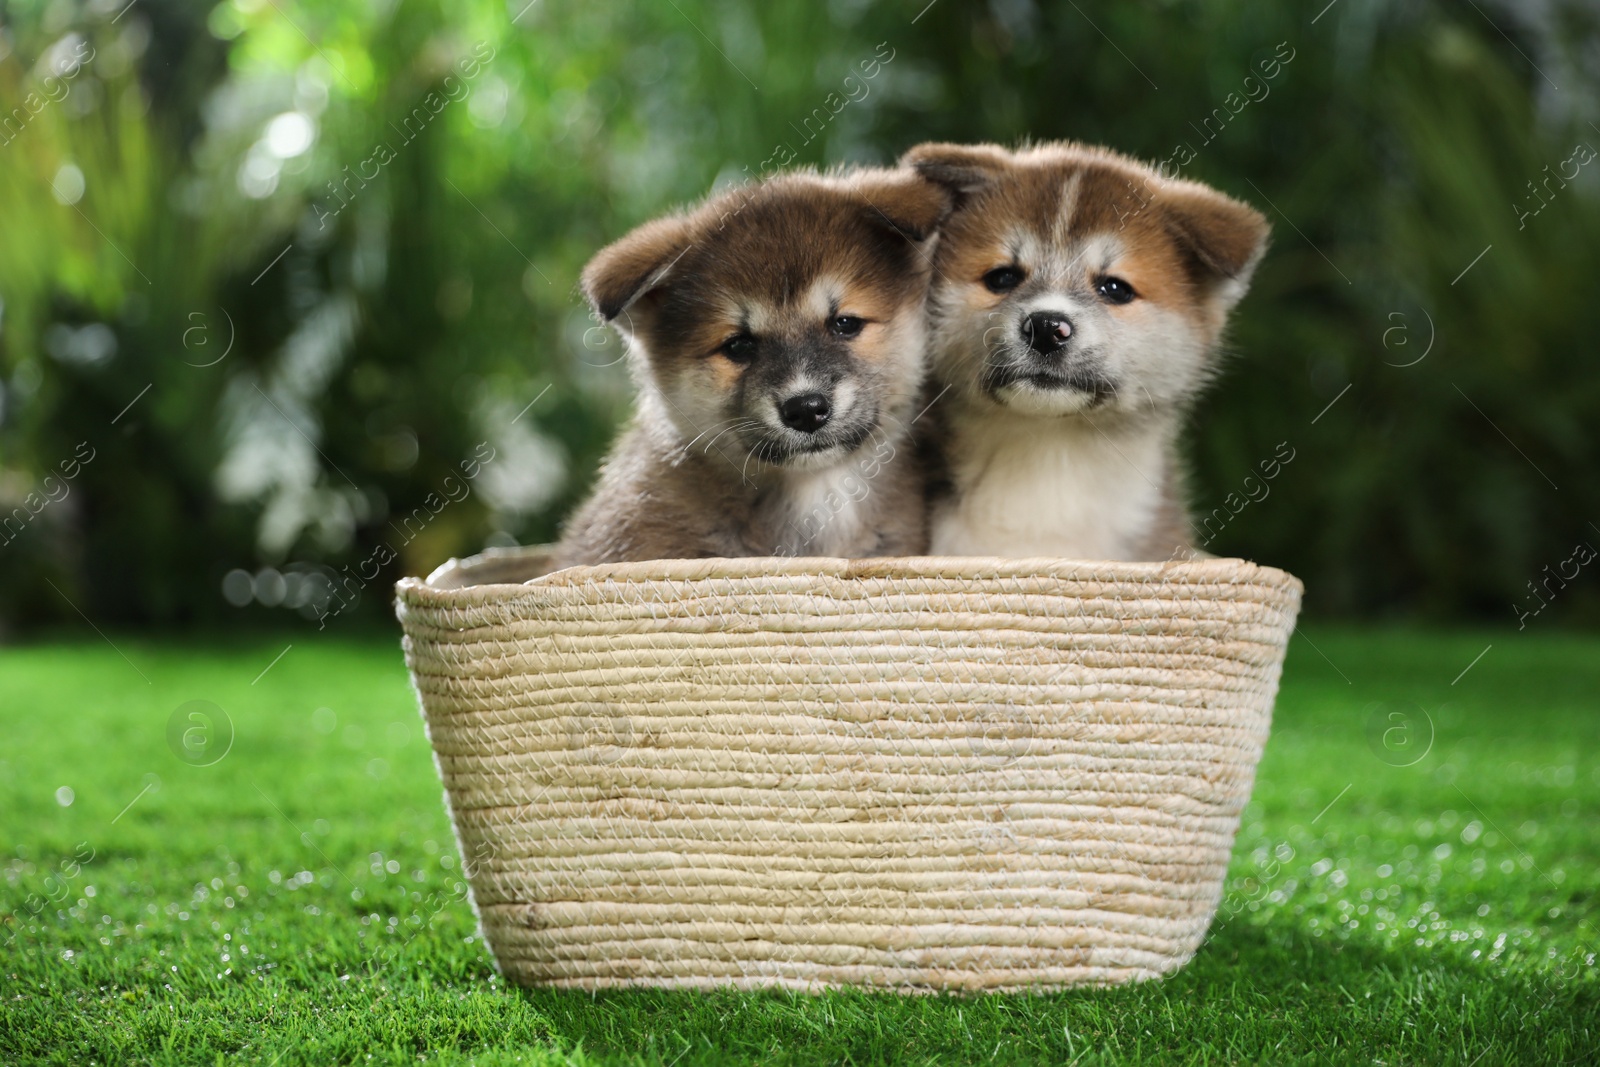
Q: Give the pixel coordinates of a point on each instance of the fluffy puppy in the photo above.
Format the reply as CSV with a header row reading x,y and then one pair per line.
x,y
777,337
1076,307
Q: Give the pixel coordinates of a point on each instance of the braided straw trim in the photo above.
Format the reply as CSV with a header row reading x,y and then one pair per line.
x,y
921,774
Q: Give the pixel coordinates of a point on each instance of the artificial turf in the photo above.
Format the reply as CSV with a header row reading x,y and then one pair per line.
x,y
299,901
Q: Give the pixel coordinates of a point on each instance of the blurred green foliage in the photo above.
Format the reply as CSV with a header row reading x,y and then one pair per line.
x,y
378,213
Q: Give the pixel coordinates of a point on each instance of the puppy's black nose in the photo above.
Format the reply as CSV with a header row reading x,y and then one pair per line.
x,y
1046,331
806,412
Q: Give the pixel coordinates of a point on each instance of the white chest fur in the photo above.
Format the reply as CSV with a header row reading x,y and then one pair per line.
x,y
1051,487
821,513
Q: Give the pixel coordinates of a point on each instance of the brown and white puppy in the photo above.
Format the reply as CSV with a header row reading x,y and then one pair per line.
x,y
1075,313
777,337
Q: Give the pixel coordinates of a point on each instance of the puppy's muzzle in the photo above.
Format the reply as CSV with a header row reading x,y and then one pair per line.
x,y
1046,332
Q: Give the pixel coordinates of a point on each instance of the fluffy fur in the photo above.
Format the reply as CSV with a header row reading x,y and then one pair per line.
x,y
1065,446
804,288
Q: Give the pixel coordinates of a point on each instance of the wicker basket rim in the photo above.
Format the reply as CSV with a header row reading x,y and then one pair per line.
x,y
491,573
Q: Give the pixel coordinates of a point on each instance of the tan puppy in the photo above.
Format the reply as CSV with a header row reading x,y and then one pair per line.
x,y
777,337
1075,313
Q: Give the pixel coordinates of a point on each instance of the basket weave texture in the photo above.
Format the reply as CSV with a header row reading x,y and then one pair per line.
x,y
921,774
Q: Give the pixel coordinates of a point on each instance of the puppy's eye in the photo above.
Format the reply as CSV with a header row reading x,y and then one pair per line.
x,y
1114,290
740,348
1003,279
846,326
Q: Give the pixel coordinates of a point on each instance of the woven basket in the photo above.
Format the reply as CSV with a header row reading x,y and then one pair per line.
x,y
923,774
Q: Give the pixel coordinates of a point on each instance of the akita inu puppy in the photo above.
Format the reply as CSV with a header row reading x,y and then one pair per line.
x,y
777,337
1075,312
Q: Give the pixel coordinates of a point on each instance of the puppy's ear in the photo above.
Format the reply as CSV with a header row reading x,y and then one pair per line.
x,y
1226,238
624,271
910,204
961,168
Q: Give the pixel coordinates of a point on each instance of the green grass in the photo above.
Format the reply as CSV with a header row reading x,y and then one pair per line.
x,y
299,901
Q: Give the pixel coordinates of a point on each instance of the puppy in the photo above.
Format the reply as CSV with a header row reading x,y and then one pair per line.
x,y
777,337
1077,302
